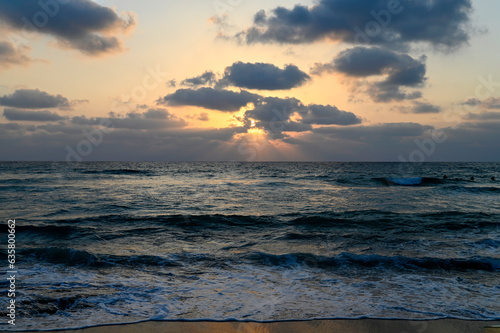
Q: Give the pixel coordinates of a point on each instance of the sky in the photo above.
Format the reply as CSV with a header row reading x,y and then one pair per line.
x,y
240,80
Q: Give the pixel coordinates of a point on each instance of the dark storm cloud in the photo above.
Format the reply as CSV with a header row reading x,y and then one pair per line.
x,y
209,98
399,70
442,23
34,99
28,115
11,55
206,78
264,76
80,24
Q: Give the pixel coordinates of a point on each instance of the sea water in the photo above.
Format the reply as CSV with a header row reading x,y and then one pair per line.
x,y
108,242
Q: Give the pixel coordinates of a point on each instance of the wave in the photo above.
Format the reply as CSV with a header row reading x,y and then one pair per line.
x,y
188,221
409,181
452,220
54,231
473,189
348,260
117,171
72,257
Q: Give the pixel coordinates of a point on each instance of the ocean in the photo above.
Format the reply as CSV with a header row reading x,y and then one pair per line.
x,y
111,242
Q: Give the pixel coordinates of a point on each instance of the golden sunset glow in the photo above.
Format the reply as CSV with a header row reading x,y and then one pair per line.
x,y
206,77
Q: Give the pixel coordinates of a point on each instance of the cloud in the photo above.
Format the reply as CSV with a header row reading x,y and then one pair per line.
x,y
157,114
483,116
472,102
441,23
209,98
206,78
328,115
260,76
421,108
264,76
382,93
273,109
277,115
203,117
49,142
83,25
378,142
34,99
25,115
387,130
489,103
11,55
400,69
150,120
362,62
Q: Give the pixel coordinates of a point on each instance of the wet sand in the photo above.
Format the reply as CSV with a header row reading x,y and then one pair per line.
x,y
313,326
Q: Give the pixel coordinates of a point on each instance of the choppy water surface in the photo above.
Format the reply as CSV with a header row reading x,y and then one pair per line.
x,y
121,242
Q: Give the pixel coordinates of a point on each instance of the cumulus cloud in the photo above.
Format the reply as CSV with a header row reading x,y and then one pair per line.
x,y
209,98
399,70
441,23
328,115
34,99
273,109
28,115
10,55
83,25
278,115
260,76
206,78
264,76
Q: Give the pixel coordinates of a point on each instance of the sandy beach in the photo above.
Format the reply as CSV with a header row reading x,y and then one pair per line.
x,y
313,326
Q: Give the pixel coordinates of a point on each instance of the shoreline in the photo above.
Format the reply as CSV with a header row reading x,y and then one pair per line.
x,y
306,326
